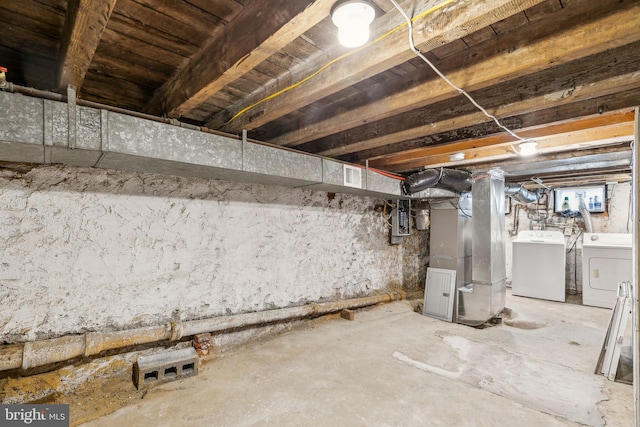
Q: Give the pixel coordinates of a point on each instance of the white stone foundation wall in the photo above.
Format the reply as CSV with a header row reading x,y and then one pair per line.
x,y
87,249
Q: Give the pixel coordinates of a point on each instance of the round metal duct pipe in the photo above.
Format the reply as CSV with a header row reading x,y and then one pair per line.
x,y
520,193
450,179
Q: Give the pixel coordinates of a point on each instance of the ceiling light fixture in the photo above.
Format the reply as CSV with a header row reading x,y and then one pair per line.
x,y
456,157
352,17
528,148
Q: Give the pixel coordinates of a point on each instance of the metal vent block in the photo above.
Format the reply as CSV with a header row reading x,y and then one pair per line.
x,y
160,368
352,176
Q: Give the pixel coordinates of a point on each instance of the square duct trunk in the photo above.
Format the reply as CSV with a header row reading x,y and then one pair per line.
x,y
485,296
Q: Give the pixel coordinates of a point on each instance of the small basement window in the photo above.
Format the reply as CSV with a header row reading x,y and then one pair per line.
x,y
594,197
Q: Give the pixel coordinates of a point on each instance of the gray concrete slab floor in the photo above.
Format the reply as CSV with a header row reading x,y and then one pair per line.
x,y
394,367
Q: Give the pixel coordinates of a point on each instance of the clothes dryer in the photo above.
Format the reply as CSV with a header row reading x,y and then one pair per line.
x,y
606,261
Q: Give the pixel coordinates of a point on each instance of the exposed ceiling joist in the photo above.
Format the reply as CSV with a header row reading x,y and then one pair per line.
x,y
595,177
516,167
261,29
580,133
608,28
597,137
85,22
610,164
575,94
593,107
540,66
618,162
444,25
510,102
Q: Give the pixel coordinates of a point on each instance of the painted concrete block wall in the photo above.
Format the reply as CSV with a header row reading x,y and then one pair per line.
x,y
617,219
88,249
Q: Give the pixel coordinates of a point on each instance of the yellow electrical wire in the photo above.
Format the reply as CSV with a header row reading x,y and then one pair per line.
x,y
339,58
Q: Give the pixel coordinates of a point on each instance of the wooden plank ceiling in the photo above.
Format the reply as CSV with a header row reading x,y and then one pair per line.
x,y
565,73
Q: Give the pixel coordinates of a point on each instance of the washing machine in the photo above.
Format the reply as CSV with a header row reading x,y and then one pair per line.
x,y
606,261
538,259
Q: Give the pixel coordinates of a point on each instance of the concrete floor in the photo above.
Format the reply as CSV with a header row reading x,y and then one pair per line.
x,y
394,367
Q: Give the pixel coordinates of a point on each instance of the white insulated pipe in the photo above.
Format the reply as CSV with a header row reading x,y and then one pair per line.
x,y
44,352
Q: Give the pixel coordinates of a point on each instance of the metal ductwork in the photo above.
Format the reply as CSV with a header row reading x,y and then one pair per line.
x,y
485,296
450,179
46,130
520,193
459,181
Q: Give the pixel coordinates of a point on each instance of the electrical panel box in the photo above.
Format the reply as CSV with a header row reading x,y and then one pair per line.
x,y
400,216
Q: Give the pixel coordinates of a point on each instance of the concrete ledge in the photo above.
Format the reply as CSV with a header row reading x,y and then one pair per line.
x,y
160,368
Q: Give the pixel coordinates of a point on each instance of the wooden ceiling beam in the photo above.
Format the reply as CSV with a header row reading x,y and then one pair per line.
x,y
85,21
496,148
563,180
444,25
515,166
605,87
570,42
261,29
598,106
540,131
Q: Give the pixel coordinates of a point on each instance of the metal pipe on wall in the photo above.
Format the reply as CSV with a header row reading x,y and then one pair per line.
x,y
44,352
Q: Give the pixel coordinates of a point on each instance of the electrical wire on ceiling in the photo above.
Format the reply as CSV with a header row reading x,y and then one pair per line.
x,y
339,58
409,23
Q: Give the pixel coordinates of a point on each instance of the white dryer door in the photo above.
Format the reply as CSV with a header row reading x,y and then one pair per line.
x,y
606,273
